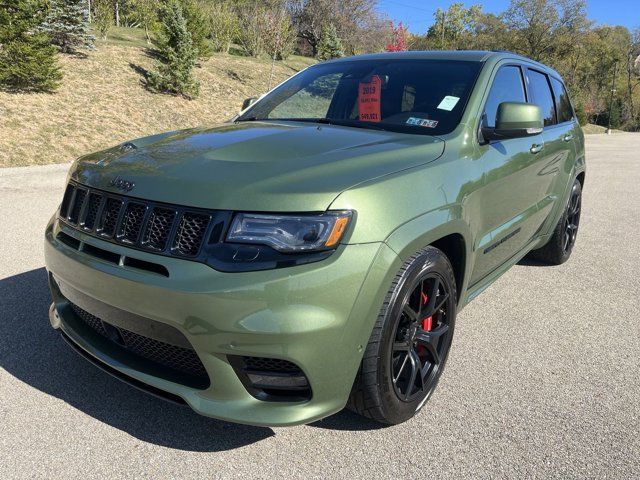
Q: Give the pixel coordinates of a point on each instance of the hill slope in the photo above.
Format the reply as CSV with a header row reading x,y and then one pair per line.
x,y
102,102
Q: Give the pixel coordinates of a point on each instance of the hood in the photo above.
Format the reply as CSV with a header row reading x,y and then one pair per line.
x,y
258,166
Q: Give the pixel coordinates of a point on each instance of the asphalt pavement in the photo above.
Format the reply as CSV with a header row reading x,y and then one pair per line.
x,y
543,378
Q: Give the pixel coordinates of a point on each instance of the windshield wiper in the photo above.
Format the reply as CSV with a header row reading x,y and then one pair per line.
x,y
248,119
334,121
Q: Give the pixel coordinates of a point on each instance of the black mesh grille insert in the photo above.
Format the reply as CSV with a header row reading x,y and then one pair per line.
x,y
261,364
132,222
92,321
110,216
159,228
77,205
180,359
93,206
191,233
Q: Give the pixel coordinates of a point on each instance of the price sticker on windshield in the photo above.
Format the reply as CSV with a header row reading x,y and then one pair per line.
x,y
369,100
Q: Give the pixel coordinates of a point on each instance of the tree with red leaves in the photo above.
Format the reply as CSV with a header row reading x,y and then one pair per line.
x,y
399,38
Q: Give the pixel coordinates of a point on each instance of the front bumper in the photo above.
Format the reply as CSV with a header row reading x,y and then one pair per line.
x,y
318,316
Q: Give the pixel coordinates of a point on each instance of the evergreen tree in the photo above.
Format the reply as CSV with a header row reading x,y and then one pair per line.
x,y
330,45
68,25
178,56
27,58
198,25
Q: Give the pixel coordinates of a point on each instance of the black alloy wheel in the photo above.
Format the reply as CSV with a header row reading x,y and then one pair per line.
x,y
561,242
420,341
410,342
572,219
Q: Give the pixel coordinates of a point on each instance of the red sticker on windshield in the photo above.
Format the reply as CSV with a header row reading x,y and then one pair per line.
x,y
369,100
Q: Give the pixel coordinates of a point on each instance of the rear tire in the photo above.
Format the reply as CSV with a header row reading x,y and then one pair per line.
x,y
560,245
413,333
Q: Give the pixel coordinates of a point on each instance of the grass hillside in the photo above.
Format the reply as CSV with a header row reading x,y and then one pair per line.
x,y
101,101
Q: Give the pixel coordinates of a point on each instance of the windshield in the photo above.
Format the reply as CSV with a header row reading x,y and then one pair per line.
x,y
411,96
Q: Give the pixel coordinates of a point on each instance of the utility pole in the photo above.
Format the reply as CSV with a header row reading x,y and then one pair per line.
x,y
613,89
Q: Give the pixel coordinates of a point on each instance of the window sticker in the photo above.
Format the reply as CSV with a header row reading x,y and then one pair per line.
x,y
448,103
369,100
422,122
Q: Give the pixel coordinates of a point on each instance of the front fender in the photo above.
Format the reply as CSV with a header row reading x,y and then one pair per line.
x,y
428,229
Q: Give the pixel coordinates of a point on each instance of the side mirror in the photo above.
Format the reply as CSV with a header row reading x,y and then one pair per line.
x,y
248,102
515,120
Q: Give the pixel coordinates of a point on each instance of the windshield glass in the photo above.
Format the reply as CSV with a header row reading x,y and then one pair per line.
x,y
412,96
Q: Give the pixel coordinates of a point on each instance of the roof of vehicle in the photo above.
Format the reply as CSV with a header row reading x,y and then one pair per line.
x,y
462,55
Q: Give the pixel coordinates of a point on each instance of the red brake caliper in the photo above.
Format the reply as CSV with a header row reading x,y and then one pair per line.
x,y
427,323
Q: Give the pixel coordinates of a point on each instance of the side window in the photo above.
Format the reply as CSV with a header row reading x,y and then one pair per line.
x,y
541,93
565,111
507,87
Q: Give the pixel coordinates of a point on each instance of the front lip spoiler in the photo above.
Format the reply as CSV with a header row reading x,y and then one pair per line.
x,y
150,389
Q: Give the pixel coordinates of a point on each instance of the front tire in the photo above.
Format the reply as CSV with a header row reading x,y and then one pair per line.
x,y
560,245
408,349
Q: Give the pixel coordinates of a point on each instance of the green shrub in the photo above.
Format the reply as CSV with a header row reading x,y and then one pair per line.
x,y
27,59
177,56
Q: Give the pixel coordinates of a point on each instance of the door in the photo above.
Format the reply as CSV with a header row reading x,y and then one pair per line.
x,y
512,191
560,149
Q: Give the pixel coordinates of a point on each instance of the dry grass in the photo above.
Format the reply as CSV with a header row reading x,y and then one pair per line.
x,y
590,128
102,102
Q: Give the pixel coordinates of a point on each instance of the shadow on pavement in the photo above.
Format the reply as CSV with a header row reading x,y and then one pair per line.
x,y
34,353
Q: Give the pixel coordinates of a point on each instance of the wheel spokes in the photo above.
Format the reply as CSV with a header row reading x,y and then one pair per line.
x,y
418,350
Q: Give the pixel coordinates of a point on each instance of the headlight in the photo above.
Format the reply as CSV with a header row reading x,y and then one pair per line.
x,y
290,233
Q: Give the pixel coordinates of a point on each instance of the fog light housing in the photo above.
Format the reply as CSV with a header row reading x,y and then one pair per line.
x,y
272,379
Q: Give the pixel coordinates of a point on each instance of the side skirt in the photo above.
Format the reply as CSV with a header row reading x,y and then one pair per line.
x,y
481,285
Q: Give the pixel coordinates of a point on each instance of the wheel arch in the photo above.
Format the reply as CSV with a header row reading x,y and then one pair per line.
x,y
435,229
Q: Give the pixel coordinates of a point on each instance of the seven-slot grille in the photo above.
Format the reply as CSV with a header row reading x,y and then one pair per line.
x,y
168,229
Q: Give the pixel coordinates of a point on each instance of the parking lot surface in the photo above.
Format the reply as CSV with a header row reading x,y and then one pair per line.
x,y
543,378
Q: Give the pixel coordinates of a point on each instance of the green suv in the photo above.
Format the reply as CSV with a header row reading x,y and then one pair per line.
x,y
312,253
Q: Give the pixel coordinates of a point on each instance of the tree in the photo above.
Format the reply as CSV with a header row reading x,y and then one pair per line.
x,y
27,58
357,23
544,29
453,28
145,13
103,16
250,27
178,56
224,26
198,25
67,24
277,34
330,45
399,38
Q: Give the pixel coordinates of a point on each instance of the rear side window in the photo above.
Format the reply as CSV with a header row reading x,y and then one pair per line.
x,y
565,111
541,93
507,87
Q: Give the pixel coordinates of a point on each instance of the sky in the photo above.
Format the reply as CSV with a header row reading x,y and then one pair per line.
x,y
417,15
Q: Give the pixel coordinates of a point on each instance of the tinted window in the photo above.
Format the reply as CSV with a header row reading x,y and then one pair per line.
x,y
410,96
507,87
565,111
539,88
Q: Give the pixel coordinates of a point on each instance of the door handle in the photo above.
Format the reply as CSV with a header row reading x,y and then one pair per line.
x,y
536,147
568,137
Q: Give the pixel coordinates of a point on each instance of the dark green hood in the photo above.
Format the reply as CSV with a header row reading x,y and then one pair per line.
x,y
259,166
